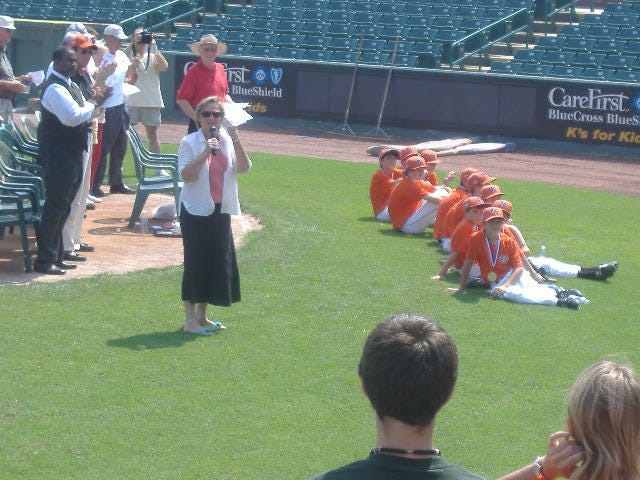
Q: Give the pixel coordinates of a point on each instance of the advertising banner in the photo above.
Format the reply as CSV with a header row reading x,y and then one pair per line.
x,y
582,112
269,87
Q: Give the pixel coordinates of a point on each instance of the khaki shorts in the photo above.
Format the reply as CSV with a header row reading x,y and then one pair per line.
x,y
147,116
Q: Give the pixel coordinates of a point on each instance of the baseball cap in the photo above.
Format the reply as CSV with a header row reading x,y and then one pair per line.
x,y
81,41
504,205
115,31
477,179
407,152
7,22
385,151
415,162
492,212
471,202
464,175
490,191
430,156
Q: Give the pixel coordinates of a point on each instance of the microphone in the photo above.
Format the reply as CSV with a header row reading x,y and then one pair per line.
x,y
213,133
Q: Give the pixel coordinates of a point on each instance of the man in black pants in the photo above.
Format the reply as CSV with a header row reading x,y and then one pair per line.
x,y
62,139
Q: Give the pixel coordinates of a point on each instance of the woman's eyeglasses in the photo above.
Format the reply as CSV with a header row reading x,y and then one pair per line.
x,y
211,114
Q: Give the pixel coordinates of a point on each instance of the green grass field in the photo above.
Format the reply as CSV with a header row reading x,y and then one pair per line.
x,y
98,382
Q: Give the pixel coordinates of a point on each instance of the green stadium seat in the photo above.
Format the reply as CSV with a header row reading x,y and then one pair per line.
x,y
291,3
628,33
267,51
181,45
265,25
406,60
288,40
536,69
266,11
367,30
290,14
565,71
343,56
191,34
341,29
632,47
587,59
237,37
601,31
617,8
341,16
622,20
629,76
364,6
555,57
429,54
313,28
238,50
59,12
606,45
441,10
392,19
262,38
317,55
590,73
334,5
403,46
529,55
374,58
594,19
210,22
237,10
165,44
570,31
368,18
291,52
316,15
239,23
447,22
391,7
551,43
576,44
343,43
314,4
619,62
314,42
288,26
390,32
373,45
510,68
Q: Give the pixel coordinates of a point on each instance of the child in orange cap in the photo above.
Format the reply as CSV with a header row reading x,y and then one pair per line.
x,y
459,193
473,208
476,182
383,181
431,159
500,262
414,201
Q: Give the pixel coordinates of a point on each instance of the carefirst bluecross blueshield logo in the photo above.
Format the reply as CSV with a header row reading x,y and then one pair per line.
x,y
635,101
264,82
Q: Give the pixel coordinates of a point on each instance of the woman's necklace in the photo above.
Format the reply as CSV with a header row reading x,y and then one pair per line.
x,y
400,451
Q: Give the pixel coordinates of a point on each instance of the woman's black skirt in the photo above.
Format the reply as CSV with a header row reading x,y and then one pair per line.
x,y
210,266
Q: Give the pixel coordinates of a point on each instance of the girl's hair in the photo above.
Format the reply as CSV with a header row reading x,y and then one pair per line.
x,y
604,417
213,100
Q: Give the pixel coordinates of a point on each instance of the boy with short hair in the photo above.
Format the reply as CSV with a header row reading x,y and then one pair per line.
x,y
383,181
500,262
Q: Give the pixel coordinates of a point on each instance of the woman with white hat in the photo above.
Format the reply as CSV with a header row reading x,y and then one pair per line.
x,y
204,79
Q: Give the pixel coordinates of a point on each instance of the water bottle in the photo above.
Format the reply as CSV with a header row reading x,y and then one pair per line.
x,y
543,251
144,224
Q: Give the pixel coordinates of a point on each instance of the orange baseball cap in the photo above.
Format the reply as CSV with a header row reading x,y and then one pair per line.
x,y
385,151
504,205
471,202
464,175
477,179
430,156
492,212
80,41
407,152
490,192
415,162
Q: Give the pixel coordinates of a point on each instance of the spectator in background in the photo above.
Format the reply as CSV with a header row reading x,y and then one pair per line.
x,y
10,86
408,370
204,79
144,106
114,136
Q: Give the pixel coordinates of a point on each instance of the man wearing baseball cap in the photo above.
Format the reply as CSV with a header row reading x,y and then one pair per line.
x,y
10,86
114,135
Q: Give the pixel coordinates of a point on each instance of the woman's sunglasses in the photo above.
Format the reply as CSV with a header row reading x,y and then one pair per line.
x,y
211,114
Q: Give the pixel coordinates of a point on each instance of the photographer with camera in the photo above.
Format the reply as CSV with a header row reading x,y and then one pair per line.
x,y
144,106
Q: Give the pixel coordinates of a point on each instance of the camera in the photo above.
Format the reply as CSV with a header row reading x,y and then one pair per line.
x,y
146,37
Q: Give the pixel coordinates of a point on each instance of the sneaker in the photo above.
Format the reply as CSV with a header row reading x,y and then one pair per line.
x,y
606,270
93,199
98,193
569,301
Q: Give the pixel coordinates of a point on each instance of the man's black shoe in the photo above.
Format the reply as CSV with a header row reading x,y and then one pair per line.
x,y
121,189
49,269
74,257
97,192
85,248
606,270
65,265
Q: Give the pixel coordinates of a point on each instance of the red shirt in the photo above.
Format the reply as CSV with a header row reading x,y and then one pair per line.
x,y
406,199
200,82
508,255
380,188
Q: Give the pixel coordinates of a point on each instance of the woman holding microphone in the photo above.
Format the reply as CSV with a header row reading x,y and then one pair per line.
x,y
209,161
